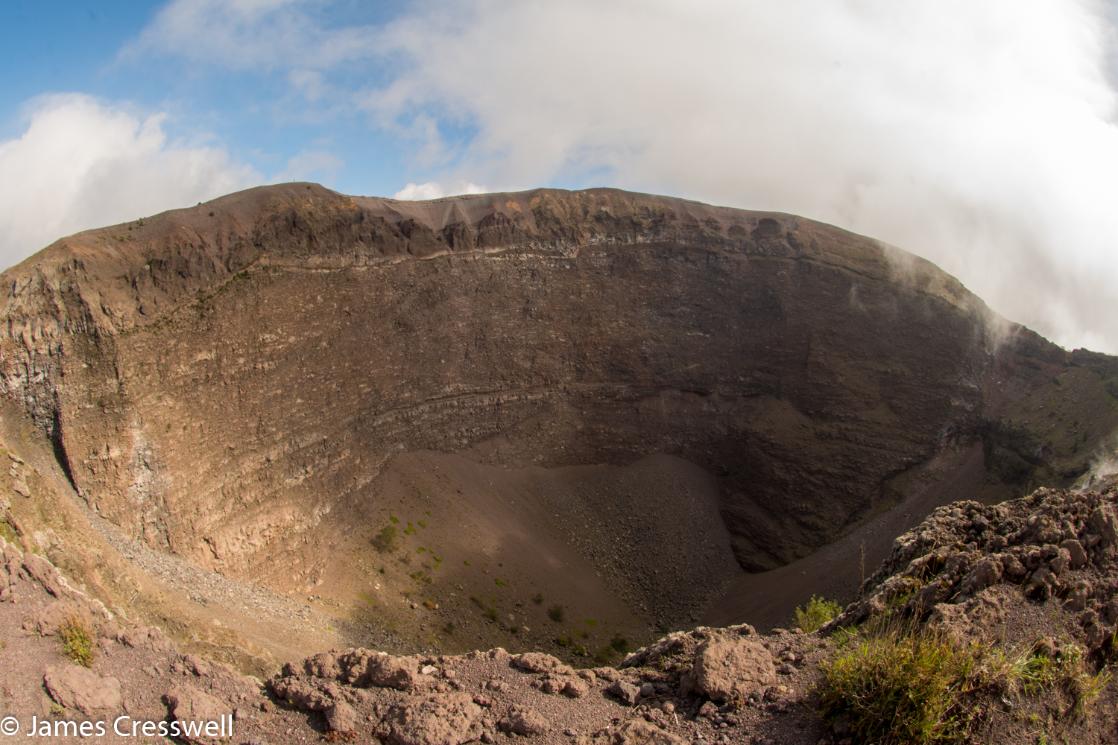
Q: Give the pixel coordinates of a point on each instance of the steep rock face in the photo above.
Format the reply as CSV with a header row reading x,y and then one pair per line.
x,y
219,379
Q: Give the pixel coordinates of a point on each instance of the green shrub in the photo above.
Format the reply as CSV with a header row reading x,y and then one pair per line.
x,y
77,641
902,689
816,613
387,539
556,613
910,687
1040,672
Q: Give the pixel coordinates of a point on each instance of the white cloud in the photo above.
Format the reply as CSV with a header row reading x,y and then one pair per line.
x,y
981,135
434,190
311,165
81,163
252,35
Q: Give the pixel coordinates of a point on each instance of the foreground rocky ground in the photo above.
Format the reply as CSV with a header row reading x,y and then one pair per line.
x,y
1034,579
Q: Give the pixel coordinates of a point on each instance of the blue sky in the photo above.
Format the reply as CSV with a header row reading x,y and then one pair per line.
x,y
50,47
983,136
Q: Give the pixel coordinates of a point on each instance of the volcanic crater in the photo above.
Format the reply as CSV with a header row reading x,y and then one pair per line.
x,y
548,419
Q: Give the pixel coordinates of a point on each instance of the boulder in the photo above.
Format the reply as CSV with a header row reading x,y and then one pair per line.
x,y
341,717
624,691
641,732
538,662
450,719
79,688
521,720
387,671
729,669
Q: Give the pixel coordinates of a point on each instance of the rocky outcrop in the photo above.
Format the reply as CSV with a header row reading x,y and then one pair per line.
x,y
967,563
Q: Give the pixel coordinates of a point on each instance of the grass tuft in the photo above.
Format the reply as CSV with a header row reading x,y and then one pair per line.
x,y
902,689
816,613
904,686
77,641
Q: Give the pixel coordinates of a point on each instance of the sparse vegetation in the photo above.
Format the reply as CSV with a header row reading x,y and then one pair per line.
x,y
488,612
605,655
77,641
387,539
816,613
902,689
556,613
915,687
537,599
8,532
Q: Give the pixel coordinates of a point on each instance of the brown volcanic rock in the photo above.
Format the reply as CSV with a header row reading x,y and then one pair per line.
x,y
78,688
448,719
237,374
731,668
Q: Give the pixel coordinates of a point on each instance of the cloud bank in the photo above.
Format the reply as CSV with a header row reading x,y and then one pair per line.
x,y
81,163
982,136
979,135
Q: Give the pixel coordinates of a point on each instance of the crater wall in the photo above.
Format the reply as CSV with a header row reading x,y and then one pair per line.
x,y
218,380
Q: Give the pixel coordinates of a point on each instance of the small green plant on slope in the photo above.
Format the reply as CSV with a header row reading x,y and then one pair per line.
x,y
902,689
386,540
906,687
77,642
8,532
816,613
556,613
